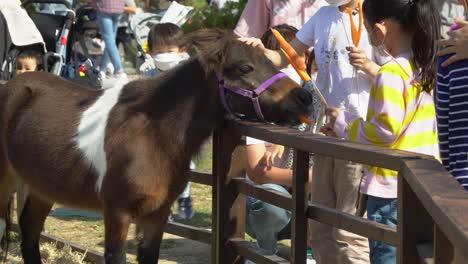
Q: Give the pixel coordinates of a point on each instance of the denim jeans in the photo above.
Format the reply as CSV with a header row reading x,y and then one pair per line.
x,y
384,211
268,223
108,25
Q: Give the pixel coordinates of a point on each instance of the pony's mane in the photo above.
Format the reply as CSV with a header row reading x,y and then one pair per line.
x,y
210,46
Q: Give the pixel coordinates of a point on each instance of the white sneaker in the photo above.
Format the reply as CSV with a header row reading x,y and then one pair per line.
x,y
117,79
310,261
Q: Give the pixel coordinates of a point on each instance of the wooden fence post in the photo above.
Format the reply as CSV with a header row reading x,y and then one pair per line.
x,y
229,215
443,249
415,225
299,208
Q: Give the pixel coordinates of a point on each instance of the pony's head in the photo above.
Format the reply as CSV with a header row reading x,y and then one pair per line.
x,y
250,84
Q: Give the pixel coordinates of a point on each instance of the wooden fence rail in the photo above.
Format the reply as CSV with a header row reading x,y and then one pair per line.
x,y
432,206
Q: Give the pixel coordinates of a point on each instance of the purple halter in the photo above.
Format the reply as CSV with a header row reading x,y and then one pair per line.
x,y
253,95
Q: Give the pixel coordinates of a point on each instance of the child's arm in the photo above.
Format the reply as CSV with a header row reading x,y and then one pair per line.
x,y
359,59
261,172
386,110
130,9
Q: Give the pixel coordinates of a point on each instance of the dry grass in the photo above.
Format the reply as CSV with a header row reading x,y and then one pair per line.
x,y
50,255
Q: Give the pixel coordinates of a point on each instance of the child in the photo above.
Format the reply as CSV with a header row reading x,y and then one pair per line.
x,y
401,112
265,222
452,100
336,182
28,60
164,44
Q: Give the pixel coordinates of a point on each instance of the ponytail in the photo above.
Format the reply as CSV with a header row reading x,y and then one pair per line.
x,y
426,30
422,19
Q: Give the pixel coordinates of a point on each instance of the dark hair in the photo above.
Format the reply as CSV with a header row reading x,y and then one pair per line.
x,y
419,17
164,34
31,53
270,42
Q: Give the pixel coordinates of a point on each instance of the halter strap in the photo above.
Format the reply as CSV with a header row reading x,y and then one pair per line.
x,y
253,95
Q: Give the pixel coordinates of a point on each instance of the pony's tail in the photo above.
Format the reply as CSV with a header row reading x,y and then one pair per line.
x,y
13,97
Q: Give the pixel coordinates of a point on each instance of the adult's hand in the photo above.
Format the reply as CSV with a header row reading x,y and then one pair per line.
x,y
254,42
456,44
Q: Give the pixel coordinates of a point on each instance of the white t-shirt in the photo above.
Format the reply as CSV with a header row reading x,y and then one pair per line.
x,y
329,32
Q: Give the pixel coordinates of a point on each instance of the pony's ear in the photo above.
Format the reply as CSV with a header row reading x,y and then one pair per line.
x,y
209,45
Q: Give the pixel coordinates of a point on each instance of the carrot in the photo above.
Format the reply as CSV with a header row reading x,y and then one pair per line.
x,y
305,119
303,74
356,32
296,60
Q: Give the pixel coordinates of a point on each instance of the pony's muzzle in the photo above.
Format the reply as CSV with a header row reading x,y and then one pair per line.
x,y
300,103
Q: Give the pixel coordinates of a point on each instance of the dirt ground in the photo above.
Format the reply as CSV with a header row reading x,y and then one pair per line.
x,y
184,251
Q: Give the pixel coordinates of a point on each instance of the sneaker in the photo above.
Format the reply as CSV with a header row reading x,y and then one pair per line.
x,y
310,256
117,79
170,218
186,211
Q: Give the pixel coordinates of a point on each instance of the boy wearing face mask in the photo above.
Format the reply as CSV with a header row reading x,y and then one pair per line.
x,y
342,51
164,44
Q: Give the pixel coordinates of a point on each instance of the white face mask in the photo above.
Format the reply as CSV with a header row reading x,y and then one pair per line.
x,y
338,2
378,47
167,61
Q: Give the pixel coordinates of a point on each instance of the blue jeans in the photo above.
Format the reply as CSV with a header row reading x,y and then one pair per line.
x,y
384,211
268,223
108,25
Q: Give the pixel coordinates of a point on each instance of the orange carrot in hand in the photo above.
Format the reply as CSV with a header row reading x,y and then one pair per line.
x,y
296,60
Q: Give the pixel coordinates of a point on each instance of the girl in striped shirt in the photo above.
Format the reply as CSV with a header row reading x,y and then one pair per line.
x,y
401,112
452,101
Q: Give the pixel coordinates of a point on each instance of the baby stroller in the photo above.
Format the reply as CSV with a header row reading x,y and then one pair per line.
x,y
55,26
16,35
140,26
87,49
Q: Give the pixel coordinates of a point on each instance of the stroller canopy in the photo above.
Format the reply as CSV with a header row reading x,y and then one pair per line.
x,y
21,28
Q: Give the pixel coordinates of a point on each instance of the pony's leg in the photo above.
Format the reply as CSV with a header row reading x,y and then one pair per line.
x,y
151,229
32,220
116,230
7,187
21,196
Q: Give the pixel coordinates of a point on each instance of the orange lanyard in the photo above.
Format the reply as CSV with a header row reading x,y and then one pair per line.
x,y
355,32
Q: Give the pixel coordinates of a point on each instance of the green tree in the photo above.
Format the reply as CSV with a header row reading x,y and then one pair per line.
x,y
210,16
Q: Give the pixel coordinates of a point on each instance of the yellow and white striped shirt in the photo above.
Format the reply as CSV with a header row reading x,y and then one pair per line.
x,y
400,116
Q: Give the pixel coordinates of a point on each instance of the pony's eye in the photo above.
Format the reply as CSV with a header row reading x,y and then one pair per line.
x,y
245,68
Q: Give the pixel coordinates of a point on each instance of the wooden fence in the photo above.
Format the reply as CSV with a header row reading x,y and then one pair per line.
x,y
432,206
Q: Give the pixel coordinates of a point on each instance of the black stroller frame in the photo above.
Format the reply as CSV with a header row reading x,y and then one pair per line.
x,y
59,44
